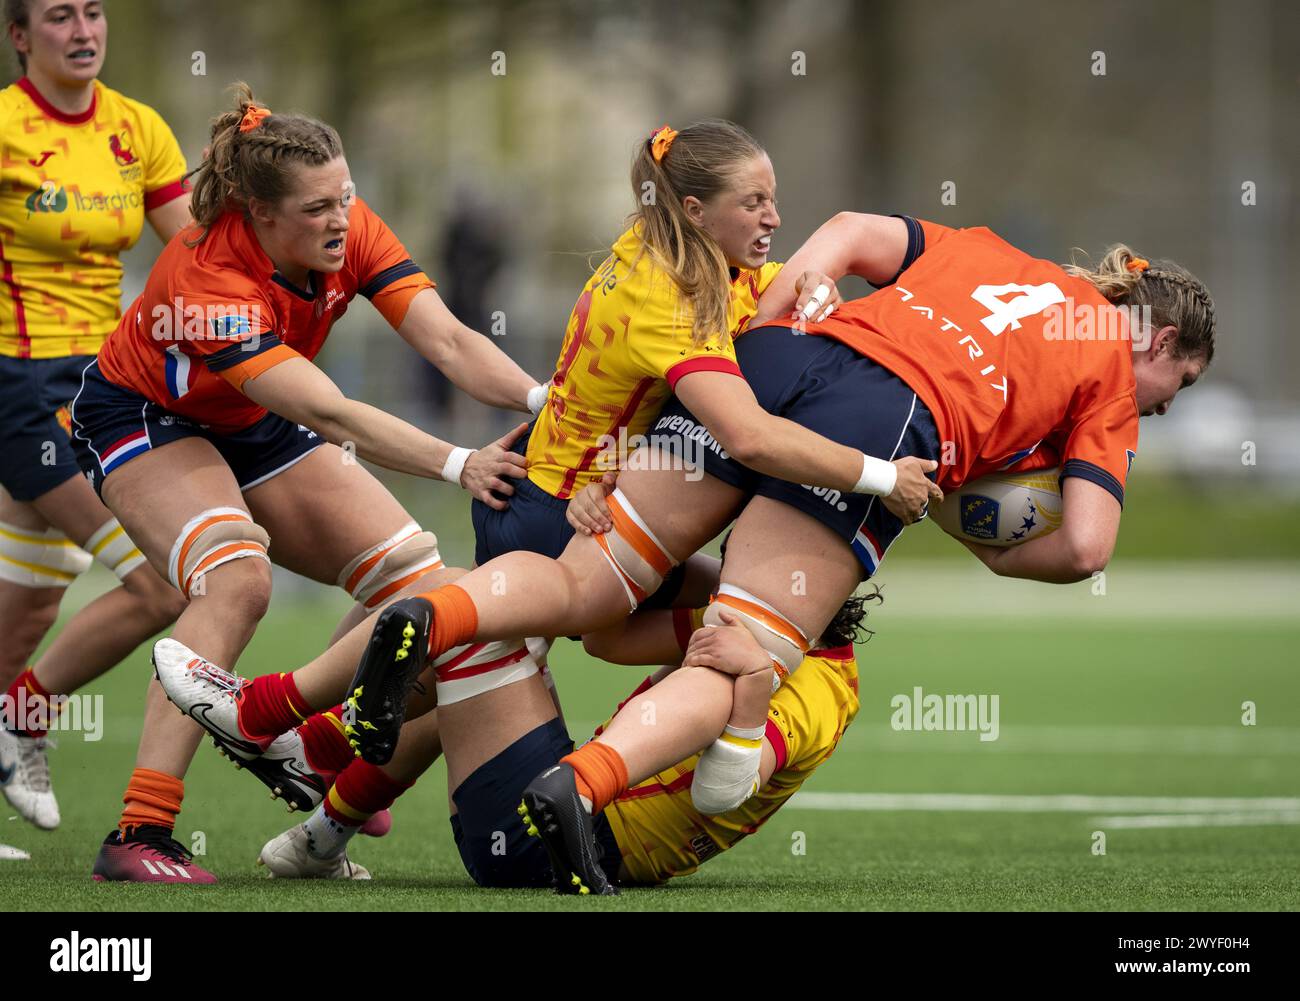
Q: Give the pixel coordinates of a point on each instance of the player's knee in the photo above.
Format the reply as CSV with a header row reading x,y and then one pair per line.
x,y
393,565
158,601
603,644
784,642
223,551
40,612
242,589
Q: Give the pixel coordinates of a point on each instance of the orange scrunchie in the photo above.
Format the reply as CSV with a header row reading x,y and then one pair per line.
x,y
1138,264
660,141
253,117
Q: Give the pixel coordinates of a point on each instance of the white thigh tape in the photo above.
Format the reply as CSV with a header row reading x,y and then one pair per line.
x,y
466,671
39,559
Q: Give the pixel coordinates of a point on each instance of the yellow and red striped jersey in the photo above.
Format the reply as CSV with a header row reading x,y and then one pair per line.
x,y
627,343
660,833
74,194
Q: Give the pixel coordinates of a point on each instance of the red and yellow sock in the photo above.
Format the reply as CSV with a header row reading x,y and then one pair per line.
x,y
30,704
326,745
360,791
455,619
152,798
270,705
600,771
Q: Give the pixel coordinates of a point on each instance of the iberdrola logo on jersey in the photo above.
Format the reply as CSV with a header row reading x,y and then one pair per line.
x,y
47,198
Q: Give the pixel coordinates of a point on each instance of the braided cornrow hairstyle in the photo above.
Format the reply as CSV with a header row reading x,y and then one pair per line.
x,y
1175,296
258,163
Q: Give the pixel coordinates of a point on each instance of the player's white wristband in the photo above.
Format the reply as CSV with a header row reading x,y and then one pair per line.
x,y
878,477
537,398
455,464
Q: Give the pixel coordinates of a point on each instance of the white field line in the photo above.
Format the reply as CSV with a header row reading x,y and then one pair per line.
x,y
891,802
1216,595
1210,741
1257,818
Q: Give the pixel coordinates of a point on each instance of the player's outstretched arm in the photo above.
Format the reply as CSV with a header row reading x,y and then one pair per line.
x,y
299,391
469,359
1081,547
777,447
849,243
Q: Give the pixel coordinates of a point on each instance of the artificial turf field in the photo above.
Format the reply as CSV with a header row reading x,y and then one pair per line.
x,y
1118,698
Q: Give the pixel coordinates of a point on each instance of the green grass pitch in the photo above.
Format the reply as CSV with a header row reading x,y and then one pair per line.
x,y
1130,709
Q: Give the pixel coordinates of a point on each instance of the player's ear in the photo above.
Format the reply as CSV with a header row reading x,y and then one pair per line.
x,y
1163,341
261,211
694,209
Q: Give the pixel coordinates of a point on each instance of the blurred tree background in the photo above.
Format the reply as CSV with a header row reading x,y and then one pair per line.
x,y
495,137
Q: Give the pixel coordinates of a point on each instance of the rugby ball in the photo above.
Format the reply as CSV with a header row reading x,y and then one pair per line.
x,y
1003,509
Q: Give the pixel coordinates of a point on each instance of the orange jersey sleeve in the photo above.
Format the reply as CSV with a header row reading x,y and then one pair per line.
x,y
1102,441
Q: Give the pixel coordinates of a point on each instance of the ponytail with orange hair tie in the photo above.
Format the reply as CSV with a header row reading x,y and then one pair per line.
x,y
253,117
1138,264
660,141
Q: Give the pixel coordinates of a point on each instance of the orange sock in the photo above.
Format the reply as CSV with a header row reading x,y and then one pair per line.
x,y
152,798
455,619
601,773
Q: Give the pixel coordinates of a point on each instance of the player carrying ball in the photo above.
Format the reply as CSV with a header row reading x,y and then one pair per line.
x,y
211,435
964,316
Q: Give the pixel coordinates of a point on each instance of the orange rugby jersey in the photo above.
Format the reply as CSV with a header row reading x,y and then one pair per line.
x,y
659,832
74,192
215,315
627,343
1007,351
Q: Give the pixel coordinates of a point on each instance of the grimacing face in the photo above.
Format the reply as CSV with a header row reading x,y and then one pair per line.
x,y
742,217
64,40
308,229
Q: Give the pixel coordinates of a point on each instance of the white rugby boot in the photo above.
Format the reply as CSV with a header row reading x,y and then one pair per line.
x,y
209,695
25,779
288,856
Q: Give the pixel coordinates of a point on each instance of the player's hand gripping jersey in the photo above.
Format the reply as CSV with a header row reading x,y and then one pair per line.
x,y
1008,353
627,343
74,195
216,314
660,833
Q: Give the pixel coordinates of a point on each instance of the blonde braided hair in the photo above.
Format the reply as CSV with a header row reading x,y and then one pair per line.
x,y
1176,297
257,163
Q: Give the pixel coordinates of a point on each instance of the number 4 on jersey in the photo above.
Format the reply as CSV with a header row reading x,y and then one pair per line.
x,y
1027,300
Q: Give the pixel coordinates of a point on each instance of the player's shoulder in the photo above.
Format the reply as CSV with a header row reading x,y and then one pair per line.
x,y
113,103
11,99
214,263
